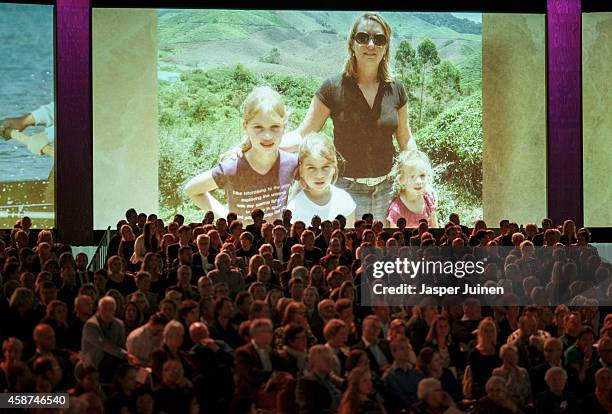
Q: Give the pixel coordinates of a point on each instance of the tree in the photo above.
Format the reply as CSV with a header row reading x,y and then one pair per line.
x,y
405,58
273,56
445,83
427,54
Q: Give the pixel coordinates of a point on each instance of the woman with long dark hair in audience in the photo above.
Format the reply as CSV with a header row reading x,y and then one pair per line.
x,y
117,277
119,300
294,352
316,278
439,338
295,235
568,233
145,243
132,317
356,399
126,245
351,243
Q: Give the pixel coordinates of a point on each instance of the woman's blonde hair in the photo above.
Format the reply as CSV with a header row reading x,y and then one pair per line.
x,y
406,159
350,66
317,144
479,331
261,99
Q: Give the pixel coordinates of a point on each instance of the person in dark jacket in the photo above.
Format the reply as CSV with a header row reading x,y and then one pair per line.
x,y
317,392
253,365
557,400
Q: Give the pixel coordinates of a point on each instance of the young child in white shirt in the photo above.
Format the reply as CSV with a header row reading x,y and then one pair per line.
x,y
316,174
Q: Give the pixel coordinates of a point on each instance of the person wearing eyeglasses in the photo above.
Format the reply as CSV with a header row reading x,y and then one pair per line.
x,y
368,108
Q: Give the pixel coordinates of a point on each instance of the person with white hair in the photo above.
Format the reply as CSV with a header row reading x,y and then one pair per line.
x,y
103,341
556,399
496,401
173,336
433,399
518,385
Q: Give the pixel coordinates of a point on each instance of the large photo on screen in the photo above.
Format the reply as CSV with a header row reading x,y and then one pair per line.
x,y
323,113
27,115
401,114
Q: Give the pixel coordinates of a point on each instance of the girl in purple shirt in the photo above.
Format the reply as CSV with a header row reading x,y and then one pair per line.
x,y
261,176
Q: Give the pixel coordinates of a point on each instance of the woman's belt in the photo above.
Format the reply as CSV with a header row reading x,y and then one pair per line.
x,y
369,181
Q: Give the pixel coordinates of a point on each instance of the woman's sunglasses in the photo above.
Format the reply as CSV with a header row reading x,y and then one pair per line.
x,y
364,38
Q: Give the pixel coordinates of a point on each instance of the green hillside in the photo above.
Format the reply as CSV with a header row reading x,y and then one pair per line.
x,y
208,39
190,26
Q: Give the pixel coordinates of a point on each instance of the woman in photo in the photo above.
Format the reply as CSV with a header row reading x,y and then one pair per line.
x,y
261,176
368,108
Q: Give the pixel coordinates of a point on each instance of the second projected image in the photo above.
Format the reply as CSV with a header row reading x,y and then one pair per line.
x,y
27,115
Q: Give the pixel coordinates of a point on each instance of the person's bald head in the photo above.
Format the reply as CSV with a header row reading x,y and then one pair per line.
x,y
198,331
106,308
44,336
83,304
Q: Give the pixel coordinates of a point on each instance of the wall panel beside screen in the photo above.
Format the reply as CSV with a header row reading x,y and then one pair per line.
x,y
596,119
172,133
27,114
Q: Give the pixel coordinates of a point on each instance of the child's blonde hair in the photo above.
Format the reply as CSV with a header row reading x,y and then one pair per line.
x,y
406,159
318,145
261,99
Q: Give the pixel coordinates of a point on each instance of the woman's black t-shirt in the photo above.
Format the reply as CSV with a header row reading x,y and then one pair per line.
x,y
363,135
